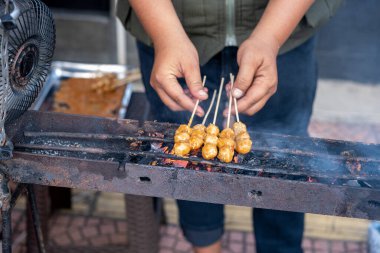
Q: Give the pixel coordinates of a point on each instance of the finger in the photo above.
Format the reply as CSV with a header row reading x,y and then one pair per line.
x,y
187,92
170,103
228,89
254,94
174,90
193,80
244,78
258,106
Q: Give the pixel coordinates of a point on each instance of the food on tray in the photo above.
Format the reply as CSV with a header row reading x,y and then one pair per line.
x,y
90,96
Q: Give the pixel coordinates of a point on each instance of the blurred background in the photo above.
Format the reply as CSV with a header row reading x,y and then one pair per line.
x,y
347,107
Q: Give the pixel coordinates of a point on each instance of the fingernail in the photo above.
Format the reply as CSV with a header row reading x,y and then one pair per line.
x,y
237,93
200,113
202,93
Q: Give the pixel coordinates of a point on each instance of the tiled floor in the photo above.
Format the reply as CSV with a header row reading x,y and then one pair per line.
x,y
77,233
97,224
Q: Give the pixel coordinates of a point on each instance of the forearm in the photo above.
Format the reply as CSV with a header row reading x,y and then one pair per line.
x,y
280,19
159,19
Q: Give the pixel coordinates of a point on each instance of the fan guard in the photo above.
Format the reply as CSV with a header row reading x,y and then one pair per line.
x,y
31,43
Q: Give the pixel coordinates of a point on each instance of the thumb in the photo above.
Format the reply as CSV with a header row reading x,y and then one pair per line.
x,y
243,81
193,80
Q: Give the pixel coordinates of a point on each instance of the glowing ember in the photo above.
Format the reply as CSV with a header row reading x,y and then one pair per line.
x,y
165,150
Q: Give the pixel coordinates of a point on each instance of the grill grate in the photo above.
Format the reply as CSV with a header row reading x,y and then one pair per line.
x,y
329,162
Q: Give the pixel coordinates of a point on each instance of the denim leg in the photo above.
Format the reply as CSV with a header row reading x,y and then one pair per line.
x,y
287,112
202,223
278,231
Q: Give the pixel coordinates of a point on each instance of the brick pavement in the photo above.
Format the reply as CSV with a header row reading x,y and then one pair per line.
x,y
76,233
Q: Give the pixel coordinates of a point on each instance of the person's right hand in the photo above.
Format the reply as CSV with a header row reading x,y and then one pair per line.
x,y
177,58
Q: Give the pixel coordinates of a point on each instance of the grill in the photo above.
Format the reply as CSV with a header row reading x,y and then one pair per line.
x,y
282,172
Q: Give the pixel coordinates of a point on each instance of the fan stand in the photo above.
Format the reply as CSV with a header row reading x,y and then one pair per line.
x,y
7,203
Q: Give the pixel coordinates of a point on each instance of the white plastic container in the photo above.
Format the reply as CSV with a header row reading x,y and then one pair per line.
x,y
374,237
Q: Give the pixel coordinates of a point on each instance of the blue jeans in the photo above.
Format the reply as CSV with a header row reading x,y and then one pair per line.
x,y
287,112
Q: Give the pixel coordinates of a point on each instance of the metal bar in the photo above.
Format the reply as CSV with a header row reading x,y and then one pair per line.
x,y
19,190
36,218
93,136
62,148
6,212
214,187
6,231
194,159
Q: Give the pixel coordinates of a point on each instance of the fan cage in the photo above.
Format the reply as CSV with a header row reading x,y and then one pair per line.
x,y
30,52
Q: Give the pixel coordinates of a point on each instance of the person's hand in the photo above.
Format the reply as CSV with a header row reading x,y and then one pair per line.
x,y
256,80
177,58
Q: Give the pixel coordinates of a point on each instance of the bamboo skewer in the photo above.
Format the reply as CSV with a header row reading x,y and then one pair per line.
x,y
232,77
218,101
209,108
196,105
230,102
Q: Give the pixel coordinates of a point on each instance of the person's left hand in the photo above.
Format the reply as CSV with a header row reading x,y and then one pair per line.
x,y
256,80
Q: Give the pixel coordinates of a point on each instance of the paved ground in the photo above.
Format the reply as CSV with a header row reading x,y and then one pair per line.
x,y
76,233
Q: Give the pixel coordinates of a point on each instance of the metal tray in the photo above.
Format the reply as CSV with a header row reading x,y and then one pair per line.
x,y
62,70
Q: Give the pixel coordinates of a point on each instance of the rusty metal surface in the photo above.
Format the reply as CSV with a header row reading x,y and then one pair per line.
x,y
282,172
194,185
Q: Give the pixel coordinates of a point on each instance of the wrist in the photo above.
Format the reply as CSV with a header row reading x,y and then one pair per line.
x,y
270,40
169,39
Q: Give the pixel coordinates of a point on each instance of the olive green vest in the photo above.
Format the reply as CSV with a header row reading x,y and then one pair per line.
x,y
205,22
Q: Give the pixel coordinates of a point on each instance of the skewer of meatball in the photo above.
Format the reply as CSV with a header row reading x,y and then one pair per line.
x,y
226,142
198,133
210,148
182,134
242,138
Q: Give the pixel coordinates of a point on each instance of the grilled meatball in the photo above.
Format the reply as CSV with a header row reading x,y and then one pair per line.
x,y
199,127
243,146
183,128
239,128
226,154
182,148
242,136
197,132
212,130
209,151
211,139
196,142
227,133
181,137
226,142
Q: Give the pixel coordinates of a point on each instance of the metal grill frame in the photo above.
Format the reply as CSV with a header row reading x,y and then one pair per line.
x,y
178,183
